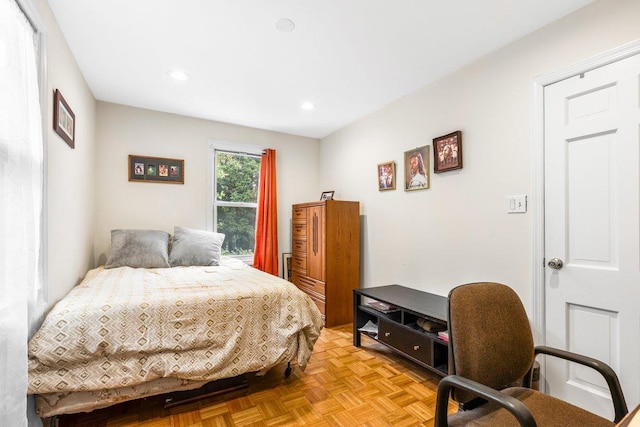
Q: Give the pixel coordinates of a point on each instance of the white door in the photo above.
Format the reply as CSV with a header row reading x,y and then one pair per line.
x,y
592,186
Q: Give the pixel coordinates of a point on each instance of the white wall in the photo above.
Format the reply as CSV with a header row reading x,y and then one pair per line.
x,y
455,232
70,178
458,231
87,188
123,130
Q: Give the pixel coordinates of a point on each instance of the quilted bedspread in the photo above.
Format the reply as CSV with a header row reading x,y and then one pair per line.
x,y
125,326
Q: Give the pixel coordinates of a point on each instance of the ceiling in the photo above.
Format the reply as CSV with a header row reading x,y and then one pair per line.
x,y
347,57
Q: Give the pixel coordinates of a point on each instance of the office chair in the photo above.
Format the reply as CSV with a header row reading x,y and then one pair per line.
x,y
491,350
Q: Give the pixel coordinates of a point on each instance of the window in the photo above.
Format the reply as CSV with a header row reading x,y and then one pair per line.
x,y
235,200
22,162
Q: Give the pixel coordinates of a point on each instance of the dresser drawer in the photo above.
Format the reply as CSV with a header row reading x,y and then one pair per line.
x,y
299,231
299,247
412,343
319,303
310,286
299,213
299,263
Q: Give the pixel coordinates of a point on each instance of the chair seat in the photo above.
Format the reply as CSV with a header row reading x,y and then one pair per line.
x,y
547,411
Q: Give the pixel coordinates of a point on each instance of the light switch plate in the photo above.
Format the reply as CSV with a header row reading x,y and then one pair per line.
x,y
516,204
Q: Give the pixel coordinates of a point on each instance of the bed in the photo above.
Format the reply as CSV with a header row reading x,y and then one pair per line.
x,y
125,333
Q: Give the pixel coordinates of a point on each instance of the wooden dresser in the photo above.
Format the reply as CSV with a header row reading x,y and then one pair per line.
x,y
326,255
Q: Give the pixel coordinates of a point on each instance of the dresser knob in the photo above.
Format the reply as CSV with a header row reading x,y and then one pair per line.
x,y
387,334
416,347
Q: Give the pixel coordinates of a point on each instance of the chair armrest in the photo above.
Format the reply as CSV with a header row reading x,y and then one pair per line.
x,y
619,403
511,404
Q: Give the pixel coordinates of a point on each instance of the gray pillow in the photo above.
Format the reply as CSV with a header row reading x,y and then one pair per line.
x,y
139,249
195,247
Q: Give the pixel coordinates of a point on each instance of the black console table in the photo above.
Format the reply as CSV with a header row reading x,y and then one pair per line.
x,y
398,328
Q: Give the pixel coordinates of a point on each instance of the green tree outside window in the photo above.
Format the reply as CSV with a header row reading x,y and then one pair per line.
x,y
236,204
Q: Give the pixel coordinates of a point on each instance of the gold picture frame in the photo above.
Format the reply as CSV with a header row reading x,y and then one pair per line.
x,y
387,176
416,169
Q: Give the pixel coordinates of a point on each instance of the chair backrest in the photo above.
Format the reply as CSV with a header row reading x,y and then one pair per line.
x,y
489,335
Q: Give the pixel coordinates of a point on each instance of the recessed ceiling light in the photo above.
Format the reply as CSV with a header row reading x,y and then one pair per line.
x,y
178,75
307,106
285,25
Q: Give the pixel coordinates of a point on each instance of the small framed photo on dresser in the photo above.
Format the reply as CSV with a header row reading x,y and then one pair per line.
x,y
327,195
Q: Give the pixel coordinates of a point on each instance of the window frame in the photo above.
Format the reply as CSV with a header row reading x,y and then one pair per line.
x,y
41,45
35,313
227,147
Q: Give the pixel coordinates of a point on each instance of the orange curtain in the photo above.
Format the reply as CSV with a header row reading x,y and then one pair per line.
x,y
265,255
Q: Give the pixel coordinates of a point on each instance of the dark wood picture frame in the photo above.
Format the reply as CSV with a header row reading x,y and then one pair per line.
x,y
287,258
64,121
327,195
447,152
387,176
156,169
417,159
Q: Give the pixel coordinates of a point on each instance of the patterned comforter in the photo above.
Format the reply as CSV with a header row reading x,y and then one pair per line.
x,y
123,327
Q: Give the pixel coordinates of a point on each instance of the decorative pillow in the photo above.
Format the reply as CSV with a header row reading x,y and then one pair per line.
x,y
139,249
195,247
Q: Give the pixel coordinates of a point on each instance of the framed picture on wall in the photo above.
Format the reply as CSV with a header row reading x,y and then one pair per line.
x,y
387,176
447,152
156,169
416,169
64,121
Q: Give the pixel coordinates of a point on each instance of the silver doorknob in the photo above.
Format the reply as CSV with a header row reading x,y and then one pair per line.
x,y
555,263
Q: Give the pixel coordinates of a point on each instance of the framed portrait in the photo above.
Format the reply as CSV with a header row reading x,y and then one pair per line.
x,y
327,195
64,121
138,168
447,152
387,176
286,266
416,169
155,169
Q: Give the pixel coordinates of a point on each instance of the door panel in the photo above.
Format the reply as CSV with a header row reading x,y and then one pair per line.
x,y
592,217
315,242
584,324
594,103
591,200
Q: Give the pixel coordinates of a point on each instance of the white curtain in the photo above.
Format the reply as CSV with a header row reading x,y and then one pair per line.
x,y
21,195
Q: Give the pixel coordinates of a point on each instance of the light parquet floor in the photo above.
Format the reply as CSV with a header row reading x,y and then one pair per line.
x,y
342,386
